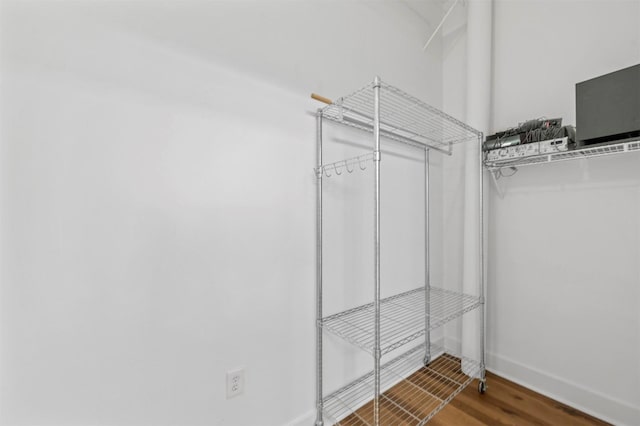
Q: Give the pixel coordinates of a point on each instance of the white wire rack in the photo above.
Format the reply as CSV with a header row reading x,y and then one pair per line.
x,y
412,393
585,152
401,318
403,118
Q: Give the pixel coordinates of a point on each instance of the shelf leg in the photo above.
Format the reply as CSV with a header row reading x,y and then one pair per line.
x,y
376,237
427,275
482,386
482,271
319,407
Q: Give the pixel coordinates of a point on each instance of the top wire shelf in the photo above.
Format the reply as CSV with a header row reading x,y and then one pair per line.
x,y
403,118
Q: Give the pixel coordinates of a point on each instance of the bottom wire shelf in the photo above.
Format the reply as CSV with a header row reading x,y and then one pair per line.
x,y
411,393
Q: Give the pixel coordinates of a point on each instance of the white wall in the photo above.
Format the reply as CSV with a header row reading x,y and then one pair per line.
x,y
158,197
564,276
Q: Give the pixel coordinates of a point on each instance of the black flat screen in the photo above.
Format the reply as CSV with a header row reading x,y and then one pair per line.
x,y
608,107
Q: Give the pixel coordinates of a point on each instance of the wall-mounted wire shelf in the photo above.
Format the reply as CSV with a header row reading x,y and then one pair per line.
x,y
349,165
402,318
403,118
585,152
412,393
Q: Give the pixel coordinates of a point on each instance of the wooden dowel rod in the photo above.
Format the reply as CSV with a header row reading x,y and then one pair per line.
x,y
321,99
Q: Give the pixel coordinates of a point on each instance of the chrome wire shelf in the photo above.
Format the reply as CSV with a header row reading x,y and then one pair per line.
x,y
402,318
585,152
403,118
411,393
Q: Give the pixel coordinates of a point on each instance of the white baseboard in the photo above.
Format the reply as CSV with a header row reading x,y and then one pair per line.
x,y
586,400
306,419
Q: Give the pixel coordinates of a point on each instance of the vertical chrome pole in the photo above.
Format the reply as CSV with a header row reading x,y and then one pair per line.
x,y
376,237
427,264
482,281
319,421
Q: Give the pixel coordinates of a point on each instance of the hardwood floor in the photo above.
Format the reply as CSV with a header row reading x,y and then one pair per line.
x,y
506,403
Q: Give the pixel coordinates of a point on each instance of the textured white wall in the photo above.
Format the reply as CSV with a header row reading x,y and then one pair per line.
x,y
564,277
158,200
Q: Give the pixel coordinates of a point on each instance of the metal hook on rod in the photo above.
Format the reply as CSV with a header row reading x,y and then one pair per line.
x,y
360,164
326,172
346,165
335,168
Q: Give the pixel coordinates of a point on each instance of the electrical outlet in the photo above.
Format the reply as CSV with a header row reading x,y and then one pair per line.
x,y
235,383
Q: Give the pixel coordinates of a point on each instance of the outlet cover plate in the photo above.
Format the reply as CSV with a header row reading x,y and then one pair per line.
x,y
235,383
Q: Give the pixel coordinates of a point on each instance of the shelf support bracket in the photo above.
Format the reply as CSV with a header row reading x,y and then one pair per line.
x,y
496,185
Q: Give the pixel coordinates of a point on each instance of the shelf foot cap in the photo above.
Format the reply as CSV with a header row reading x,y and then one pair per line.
x,y
427,360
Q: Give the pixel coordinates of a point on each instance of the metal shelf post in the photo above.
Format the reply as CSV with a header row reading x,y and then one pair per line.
x,y
483,378
319,421
376,236
427,269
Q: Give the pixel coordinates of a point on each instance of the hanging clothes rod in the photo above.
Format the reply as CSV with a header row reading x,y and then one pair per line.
x,y
321,99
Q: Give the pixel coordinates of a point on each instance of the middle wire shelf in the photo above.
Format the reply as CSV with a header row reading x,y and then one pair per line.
x,y
402,318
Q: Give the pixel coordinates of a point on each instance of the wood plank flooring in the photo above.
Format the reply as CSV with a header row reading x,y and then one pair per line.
x,y
506,403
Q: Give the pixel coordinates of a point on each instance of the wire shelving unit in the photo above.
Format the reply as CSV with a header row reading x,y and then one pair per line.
x,y
412,387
